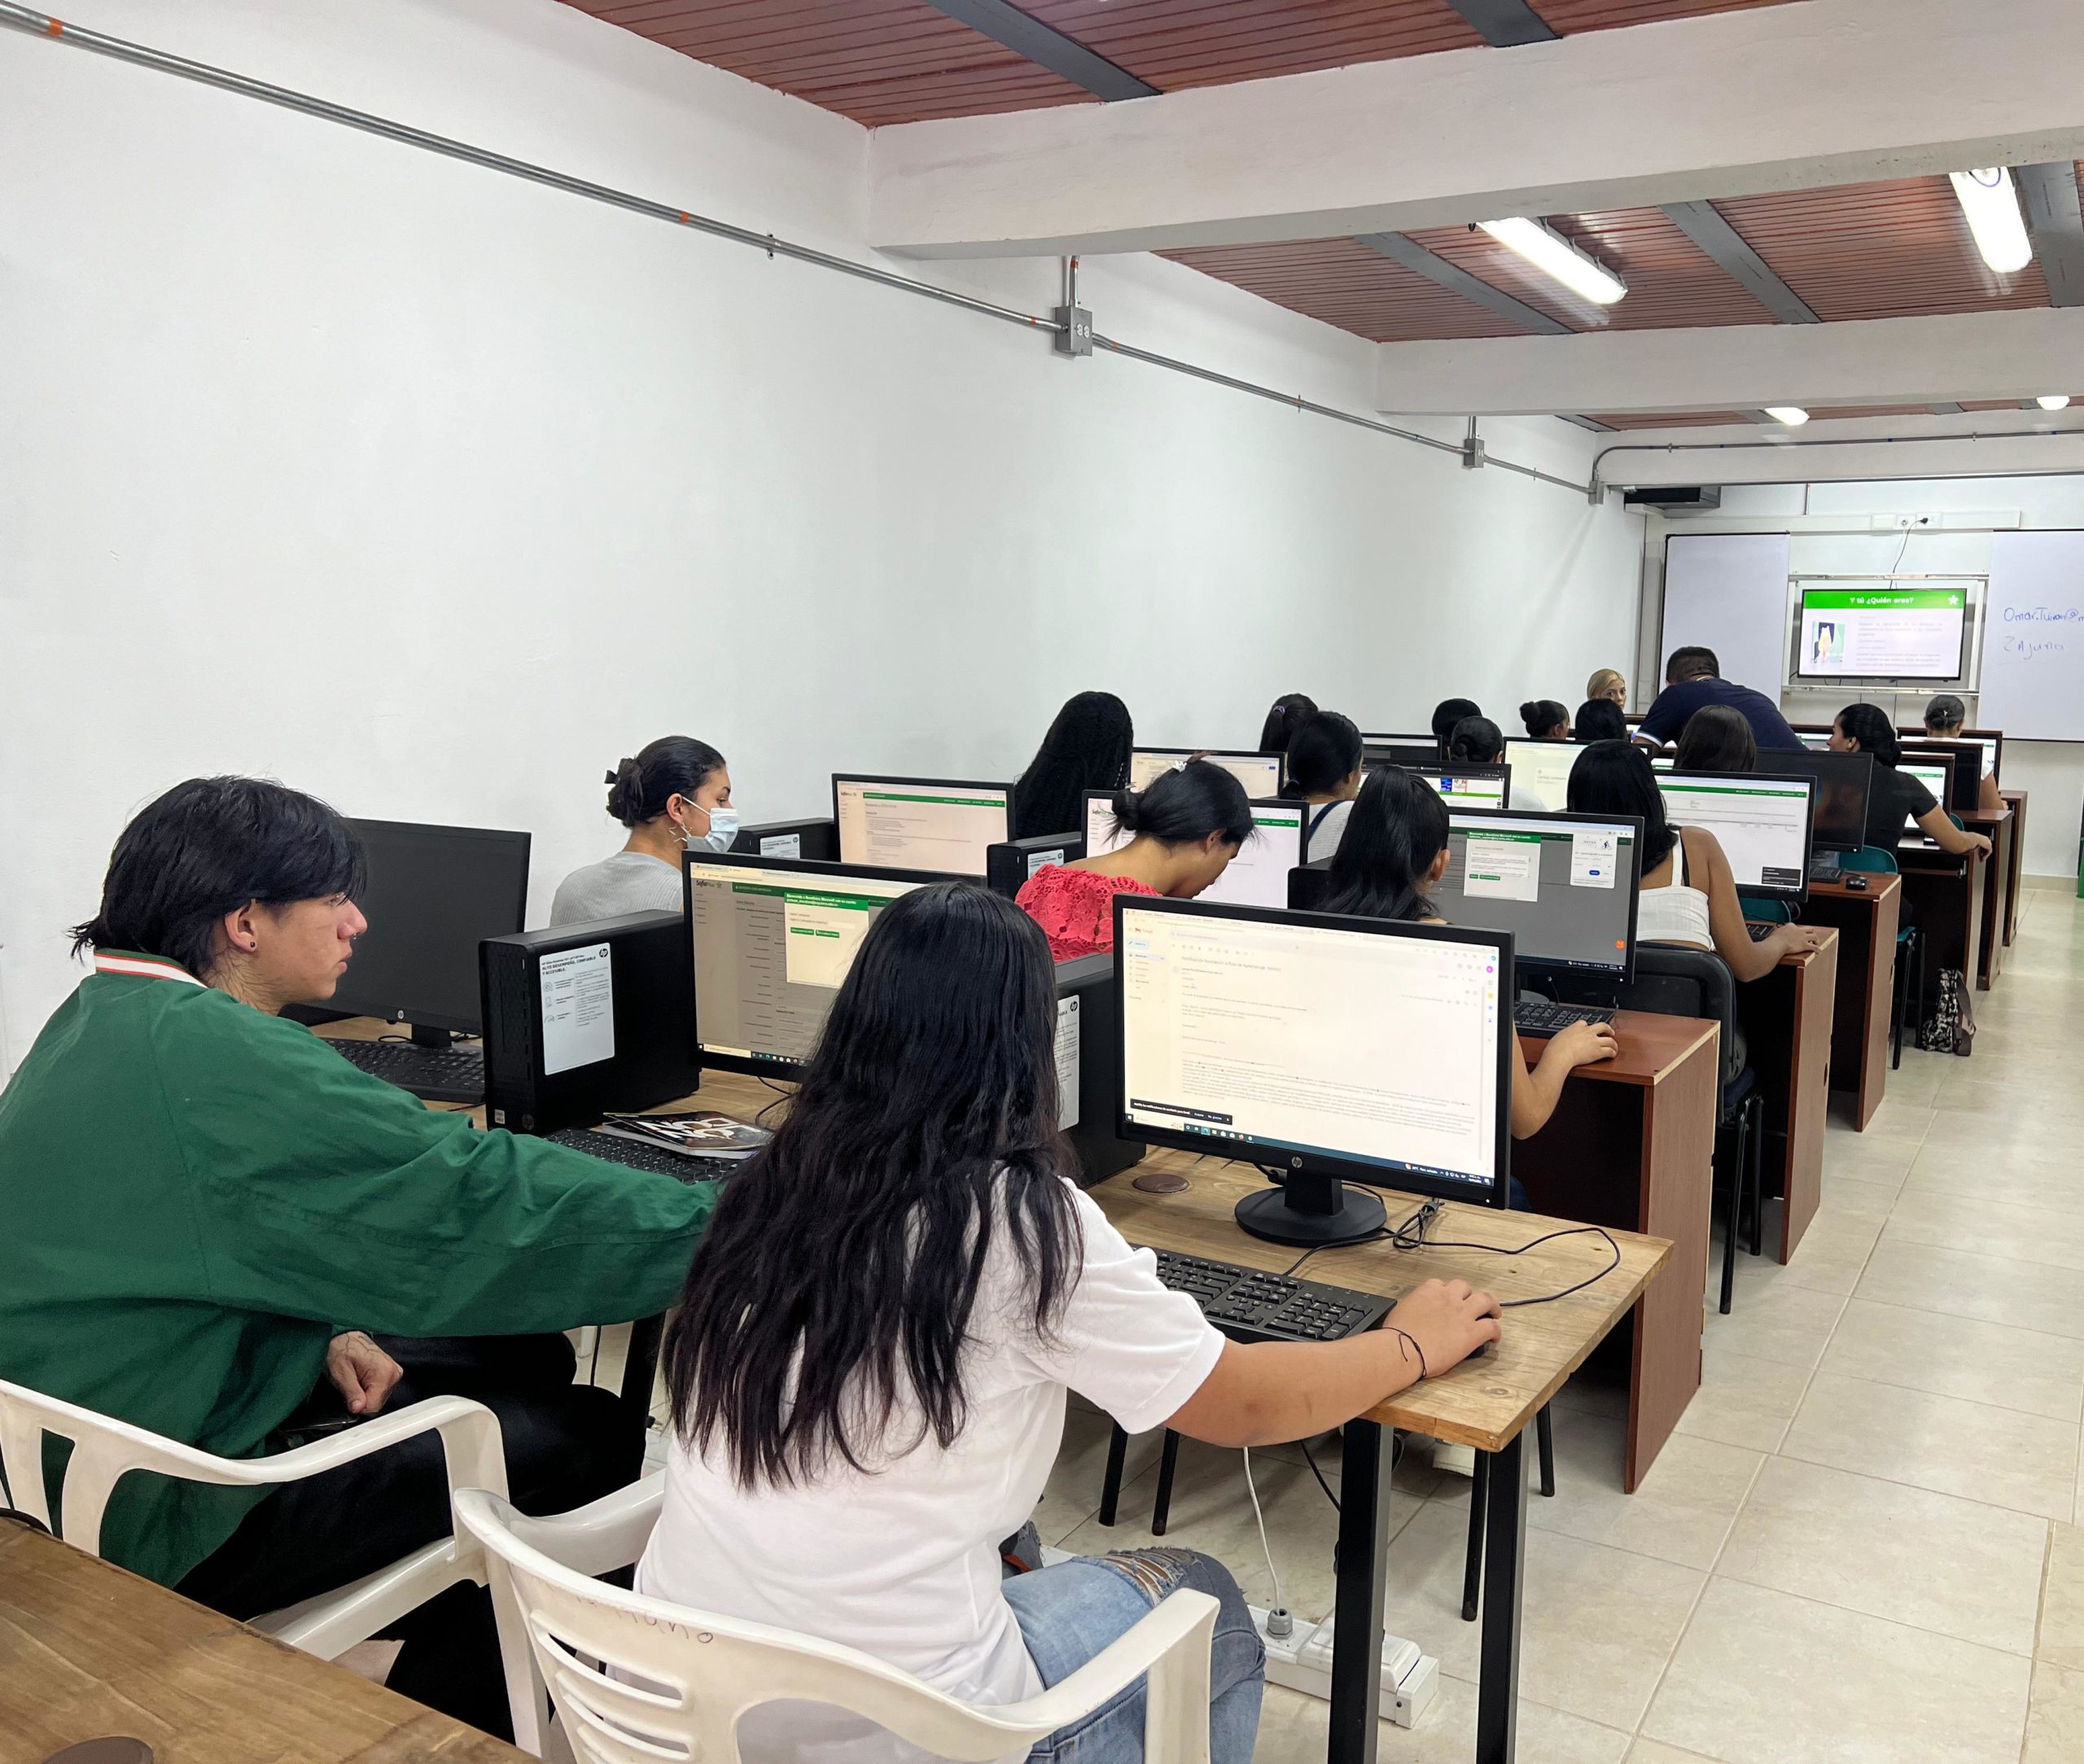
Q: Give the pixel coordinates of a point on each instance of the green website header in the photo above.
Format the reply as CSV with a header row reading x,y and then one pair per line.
x,y
959,802
1888,600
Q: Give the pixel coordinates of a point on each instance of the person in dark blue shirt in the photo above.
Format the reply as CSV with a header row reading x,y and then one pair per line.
x,y
1693,681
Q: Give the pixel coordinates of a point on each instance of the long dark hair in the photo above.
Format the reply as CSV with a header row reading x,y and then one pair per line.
x,y
1717,738
1324,754
673,765
1869,725
839,1278
1477,739
1087,748
1395,832
1615,777
1600,720
206,848
1290,712
1184,804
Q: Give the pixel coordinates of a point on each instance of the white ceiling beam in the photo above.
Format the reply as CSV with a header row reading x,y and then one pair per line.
x,y
1952,359
1732,103
1928,447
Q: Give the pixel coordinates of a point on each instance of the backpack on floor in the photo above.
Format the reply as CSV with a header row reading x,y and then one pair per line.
x,y
1952,1027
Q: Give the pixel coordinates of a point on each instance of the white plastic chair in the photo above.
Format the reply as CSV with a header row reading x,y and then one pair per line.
x,y
701,1674
103,1450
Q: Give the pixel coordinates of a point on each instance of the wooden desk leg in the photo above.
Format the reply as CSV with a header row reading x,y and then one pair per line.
x,y
640,1368
1498,1677
1363,1579
1995,869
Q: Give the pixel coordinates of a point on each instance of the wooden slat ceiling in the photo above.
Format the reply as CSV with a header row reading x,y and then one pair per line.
x,y
893,61
1344,283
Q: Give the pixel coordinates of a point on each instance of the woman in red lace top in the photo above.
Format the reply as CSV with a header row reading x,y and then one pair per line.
x,y
1183,832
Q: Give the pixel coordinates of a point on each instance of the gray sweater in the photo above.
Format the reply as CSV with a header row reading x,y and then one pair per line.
x,y
630,881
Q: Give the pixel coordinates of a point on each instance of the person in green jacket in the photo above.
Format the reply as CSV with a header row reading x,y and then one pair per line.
x,y
218,1229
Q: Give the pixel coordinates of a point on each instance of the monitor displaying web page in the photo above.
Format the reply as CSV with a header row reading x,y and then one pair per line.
x,y
1357,1048
1542,770
1470,785
1565,885
1883,634
931,824
1933,777
1256,877
1763,824
1260,773
1815,742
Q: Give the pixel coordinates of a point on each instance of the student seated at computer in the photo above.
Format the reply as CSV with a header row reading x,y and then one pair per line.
x,y
1943,718
1447,714
1394,851
1598,719
1086,749
1186,827
1480,741
1688,895
1717,738
1546,719
1894,797
1610,684
870,1367
1325,772
1290,712
675,795
205,1206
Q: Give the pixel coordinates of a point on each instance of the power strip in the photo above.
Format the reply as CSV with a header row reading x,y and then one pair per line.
x,y
1301,1661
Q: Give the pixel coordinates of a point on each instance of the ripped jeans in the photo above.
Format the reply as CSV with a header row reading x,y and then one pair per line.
x,y
1068,1614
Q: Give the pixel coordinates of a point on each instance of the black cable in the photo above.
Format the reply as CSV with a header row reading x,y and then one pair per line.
x,y
1410,1234
1321,1483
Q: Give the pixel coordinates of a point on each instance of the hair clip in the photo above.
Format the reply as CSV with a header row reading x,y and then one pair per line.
x,y
1180,765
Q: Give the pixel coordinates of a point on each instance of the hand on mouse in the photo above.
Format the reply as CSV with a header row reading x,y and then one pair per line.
x,y
1582,1044
1448,1322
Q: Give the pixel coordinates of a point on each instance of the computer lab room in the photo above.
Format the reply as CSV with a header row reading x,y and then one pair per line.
x,y
1115,881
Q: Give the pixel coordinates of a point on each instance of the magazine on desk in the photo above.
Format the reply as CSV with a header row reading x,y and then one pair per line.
x,y
705,1134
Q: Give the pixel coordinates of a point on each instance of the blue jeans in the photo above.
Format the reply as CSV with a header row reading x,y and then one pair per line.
x,y
1068,1614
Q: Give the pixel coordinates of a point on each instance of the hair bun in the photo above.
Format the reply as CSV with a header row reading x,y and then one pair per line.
x,y
1128,809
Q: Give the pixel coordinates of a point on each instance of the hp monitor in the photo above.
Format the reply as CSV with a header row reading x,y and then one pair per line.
x,y
433,895
1936,775
1763,823
1415,753
1257,876
1464,784
1962,765
919,824
1842,783
1542,770
1330,1050
1564,885
1262,774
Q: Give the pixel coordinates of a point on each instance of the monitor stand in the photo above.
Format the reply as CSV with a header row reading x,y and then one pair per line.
x,y
423,1037
1311,1212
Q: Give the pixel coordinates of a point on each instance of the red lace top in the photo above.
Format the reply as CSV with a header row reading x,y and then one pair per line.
x,y
1076,908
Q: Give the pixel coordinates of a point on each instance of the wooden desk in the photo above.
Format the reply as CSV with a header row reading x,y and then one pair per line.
x,y
2015,801
2002,863
1867,921
1943,897
1631,1146
1486,1402
1787,1019
87,1649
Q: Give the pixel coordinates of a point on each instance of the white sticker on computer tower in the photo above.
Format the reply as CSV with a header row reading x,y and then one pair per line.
x,y
1067,1039
1041,860
578,1008
781,845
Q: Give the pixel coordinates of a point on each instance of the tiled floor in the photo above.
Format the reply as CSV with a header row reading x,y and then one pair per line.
x,y
1861,1545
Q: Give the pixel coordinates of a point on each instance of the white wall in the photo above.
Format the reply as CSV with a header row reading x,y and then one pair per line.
x,y
1830,533
436,492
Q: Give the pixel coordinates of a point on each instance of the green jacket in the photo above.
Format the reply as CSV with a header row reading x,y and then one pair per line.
x,y
195,1198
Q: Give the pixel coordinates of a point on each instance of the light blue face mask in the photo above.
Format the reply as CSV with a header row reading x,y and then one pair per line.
x,y
723,829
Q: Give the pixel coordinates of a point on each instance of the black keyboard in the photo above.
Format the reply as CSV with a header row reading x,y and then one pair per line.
x,y
1759,933
1248,1305
612,1148
433,1075
1543,1017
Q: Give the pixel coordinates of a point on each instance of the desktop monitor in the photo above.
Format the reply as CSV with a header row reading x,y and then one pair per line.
x,y
1542,770
771,939
431,896
1897,632
1262,774
1983,747
1842,783
1565,885
1464,784
1761,821
1962,765
1935,774
1334,1049
1815,741
1257,876
1413,754
941,824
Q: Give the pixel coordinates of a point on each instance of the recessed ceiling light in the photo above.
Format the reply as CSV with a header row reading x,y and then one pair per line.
x,y
1792,415
1555,256
2053,400
1991,201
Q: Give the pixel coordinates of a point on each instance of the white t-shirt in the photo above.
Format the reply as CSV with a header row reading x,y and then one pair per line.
x,y
1327,824
902,1563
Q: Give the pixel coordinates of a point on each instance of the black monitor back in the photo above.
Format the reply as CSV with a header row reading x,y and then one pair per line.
x,y
1008,867
651,1056
1843,780
1309,887
433,895
1964,776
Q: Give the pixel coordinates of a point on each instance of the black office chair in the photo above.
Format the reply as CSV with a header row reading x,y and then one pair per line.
x,y
1674,981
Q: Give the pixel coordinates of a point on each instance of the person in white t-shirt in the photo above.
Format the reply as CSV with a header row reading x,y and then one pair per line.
x,y
869,1366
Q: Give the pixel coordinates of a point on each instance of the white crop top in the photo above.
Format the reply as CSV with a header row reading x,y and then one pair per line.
x,y
1674,913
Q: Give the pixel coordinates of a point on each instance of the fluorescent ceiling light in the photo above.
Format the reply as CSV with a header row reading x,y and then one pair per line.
x,y
2053,401
1792,415
1991,202
1555,256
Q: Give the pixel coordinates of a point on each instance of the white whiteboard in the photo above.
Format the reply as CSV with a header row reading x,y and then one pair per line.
x,y
2033,679
1728,592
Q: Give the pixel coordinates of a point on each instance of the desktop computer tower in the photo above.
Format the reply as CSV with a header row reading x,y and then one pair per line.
x,y
1007,866
818,837
1085,993
586,1019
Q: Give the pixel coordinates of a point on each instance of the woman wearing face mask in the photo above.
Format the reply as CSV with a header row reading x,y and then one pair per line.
x,y
675,795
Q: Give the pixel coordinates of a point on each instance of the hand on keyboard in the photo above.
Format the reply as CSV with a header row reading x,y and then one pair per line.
x,y
1448,1321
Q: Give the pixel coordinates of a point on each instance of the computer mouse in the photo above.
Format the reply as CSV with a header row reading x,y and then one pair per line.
x,y
1857,884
